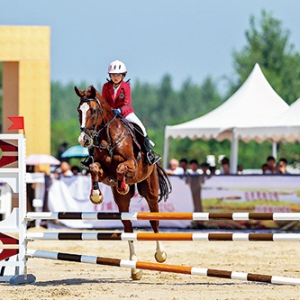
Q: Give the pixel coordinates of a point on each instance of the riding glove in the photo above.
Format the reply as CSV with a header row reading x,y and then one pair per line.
x,y
117,111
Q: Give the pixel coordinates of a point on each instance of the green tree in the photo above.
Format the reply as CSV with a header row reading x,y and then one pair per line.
x,y
268,45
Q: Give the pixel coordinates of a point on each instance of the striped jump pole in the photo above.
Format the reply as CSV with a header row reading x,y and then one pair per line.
x,y
202,216
186,236
163,267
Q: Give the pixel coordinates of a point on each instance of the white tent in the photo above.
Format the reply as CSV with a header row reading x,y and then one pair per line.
x,y
254,104
285,127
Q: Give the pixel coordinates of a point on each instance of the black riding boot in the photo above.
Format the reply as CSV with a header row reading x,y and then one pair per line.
x,y
90,159
152,157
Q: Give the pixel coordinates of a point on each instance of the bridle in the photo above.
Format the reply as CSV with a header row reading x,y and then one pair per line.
x,y
93,133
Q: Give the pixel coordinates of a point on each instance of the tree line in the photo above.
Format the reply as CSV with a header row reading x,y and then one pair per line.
x,y
158,105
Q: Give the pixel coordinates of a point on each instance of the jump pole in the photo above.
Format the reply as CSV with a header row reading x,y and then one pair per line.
x,y
202,216
141,236
114,262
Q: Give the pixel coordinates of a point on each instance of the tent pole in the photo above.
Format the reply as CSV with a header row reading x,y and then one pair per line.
x,y
234,152
274,150
166,151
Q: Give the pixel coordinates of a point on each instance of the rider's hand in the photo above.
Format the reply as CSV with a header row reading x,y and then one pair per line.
x,y
117,111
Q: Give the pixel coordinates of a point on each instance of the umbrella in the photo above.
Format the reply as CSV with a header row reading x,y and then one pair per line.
x,y
41,159
75,152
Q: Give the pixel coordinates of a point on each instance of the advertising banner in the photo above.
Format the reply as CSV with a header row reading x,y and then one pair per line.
x,y
245,193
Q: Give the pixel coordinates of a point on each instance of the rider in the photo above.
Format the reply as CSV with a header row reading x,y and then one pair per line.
x,y
117,93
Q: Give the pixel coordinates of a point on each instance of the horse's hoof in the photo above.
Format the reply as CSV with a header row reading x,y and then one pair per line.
x,y
123,192
137,276
96,199
160,257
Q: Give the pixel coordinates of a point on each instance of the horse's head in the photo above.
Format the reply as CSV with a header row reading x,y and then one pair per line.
x,y
90,113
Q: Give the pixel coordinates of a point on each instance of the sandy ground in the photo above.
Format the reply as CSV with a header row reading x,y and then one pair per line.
x,y
68,280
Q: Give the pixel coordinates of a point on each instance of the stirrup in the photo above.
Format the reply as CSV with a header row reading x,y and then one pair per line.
x,y
152,158
86,163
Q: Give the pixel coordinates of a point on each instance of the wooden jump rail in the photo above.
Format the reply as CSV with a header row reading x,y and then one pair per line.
x,y
203,216
141,236
162,267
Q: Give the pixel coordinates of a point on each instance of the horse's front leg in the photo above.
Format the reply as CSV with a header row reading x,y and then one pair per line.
x,y
96,195
125,170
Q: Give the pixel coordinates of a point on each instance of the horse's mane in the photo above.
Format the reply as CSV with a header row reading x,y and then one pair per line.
x,y
92,92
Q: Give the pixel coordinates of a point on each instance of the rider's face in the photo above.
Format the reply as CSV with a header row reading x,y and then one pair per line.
x,y
116,78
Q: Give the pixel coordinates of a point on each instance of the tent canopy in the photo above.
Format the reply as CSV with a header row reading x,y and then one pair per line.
x,y
285,127
255,104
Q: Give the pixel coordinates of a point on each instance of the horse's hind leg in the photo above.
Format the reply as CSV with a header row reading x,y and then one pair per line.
x,y
123,202
149,190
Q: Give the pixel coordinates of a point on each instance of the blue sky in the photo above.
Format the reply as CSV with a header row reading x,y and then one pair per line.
x,y
186,39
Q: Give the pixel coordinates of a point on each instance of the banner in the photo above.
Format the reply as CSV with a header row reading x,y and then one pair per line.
x,y
72,194
244,193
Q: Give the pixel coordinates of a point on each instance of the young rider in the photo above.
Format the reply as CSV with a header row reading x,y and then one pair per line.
x,y
117,93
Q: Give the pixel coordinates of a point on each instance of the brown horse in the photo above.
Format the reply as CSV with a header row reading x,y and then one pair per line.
x,y
119,162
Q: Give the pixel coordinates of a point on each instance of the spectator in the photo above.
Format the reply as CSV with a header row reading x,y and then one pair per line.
x,y
195,181
212,170
264,168
281,166
63,147
194,166
174,168
75,170
65,169
205,168
240,170
183,163
271,162
225,168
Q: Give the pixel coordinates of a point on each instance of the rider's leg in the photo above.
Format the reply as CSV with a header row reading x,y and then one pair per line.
x,y
90,159
152,157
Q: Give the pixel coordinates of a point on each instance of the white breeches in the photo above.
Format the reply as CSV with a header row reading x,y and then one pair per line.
x,y
134,119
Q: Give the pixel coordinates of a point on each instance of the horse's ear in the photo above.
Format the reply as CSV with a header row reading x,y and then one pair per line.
x,y
78,92
93,91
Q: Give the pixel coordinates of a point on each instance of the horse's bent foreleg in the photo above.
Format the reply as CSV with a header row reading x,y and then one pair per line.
x,y
122,187
96,195
125,170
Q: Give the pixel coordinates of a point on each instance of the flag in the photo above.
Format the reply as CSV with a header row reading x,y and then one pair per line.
x,y
18,123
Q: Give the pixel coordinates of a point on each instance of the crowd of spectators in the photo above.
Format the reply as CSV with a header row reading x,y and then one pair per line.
x,y
271,167
184,167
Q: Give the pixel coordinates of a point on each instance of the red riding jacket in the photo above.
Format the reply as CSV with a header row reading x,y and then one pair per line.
x,y
122,99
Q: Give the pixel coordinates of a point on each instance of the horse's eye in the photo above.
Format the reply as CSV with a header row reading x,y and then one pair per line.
x,y
93,111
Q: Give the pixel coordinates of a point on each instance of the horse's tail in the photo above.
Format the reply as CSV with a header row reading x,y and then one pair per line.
x,y
165,186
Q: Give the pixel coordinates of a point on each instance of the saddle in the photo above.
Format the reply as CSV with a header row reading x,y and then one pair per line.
x,y
135,132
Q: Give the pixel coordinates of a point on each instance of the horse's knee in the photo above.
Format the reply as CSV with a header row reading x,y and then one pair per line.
x,y
95,169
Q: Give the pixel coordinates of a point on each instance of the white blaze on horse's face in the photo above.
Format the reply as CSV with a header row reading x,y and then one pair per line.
x,y
84,109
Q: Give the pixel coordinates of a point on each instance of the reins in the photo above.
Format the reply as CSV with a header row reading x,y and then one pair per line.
x,y
104,125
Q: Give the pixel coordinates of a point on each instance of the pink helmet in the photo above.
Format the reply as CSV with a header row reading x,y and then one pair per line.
x,y
117,67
